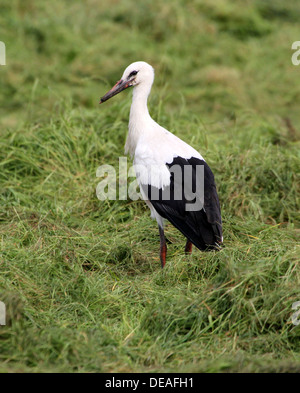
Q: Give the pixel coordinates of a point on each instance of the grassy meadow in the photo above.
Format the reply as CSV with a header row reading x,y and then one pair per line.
x,y
80,277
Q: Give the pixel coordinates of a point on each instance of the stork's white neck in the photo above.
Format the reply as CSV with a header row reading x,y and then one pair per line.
x,y
139,119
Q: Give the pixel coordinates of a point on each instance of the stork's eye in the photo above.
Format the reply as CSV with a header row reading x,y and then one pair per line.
x,y
132,74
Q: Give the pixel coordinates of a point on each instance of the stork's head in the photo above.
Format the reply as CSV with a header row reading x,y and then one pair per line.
x,y
138,73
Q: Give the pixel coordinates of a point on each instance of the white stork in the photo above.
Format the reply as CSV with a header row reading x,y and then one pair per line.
x,y
194,212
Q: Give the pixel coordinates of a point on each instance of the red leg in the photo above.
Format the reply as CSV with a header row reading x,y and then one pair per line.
x,y
163,247
188,247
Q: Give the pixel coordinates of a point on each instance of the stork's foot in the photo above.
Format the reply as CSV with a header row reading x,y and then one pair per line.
x,y
188,247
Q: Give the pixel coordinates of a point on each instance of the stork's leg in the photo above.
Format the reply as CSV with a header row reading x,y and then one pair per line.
x,y
188,247
163,246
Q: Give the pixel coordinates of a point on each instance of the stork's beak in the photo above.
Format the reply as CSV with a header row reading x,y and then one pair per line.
x,y
118,87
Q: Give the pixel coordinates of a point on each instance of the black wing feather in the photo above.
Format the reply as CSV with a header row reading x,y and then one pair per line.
x,y
202,227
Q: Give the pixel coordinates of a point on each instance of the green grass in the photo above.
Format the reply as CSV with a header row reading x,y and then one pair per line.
x,y
80,277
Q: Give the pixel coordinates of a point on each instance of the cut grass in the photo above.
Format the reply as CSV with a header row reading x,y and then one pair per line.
x,y
81,278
